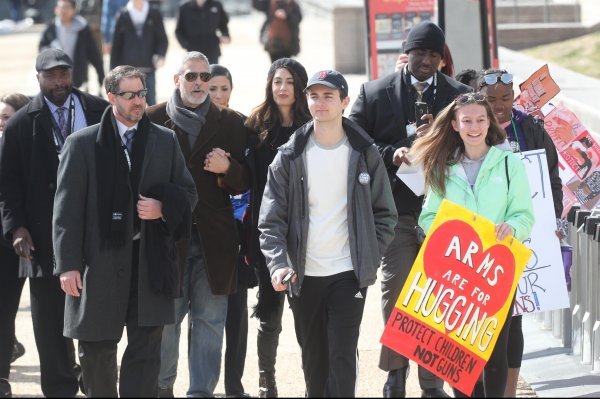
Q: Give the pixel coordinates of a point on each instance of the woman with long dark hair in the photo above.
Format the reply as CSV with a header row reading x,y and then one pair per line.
x,y
282,112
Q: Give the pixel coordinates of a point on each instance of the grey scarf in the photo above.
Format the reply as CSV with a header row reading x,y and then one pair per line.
x,y
191,122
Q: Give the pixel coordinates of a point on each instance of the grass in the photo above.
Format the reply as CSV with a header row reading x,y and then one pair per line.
x,y
581,54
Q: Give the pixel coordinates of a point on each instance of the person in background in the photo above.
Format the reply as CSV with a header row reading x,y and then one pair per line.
x,y
386,109
91,10
468,77
11,285
140,40
329,231
32,142
524,133
110,9
280,33
214,142
16,10
202,26
283,110
220,87
71,33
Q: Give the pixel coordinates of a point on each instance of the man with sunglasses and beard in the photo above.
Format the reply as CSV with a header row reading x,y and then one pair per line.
x,y
213,141
33,142
387,109
124,197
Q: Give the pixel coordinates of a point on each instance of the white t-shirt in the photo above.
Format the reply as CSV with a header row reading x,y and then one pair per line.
x,y
328,248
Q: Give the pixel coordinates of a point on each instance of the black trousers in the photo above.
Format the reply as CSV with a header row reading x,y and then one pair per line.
x,y
11,287
236,338
57,353
140,364
327,317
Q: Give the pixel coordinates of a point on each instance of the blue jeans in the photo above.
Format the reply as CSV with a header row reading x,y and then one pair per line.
x,y
207,314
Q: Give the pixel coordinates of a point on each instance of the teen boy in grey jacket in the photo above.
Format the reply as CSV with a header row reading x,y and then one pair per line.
x,y
328,214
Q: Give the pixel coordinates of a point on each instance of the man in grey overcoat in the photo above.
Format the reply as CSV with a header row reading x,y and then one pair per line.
x,y
120,183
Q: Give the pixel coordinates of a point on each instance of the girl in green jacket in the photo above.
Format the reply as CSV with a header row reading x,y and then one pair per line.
x,y
462,163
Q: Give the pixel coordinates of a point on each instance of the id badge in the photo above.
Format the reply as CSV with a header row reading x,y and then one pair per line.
x,y
411,129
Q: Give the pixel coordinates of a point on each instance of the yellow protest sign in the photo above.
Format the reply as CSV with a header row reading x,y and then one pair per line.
x,y
457,296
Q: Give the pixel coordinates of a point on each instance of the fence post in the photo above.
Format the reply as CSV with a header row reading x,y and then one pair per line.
x,y
579,267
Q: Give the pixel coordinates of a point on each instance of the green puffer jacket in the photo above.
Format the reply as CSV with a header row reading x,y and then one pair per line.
x,y
493,197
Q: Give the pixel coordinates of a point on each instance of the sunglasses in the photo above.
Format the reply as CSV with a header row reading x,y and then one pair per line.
x,y
470,98
493,78
193,76
129,95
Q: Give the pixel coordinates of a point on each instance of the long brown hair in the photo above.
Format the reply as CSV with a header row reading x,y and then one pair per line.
x,y
442,147
267,115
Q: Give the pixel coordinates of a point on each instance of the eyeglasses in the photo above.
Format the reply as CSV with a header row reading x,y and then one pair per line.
x,y
129,95
469,98
493,78
193,76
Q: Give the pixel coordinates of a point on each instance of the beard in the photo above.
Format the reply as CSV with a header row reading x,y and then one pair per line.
x,y
57,96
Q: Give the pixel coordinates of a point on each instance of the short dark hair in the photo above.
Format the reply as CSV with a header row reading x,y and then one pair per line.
x,y
220,70
114,77
72,2
15,100
466,76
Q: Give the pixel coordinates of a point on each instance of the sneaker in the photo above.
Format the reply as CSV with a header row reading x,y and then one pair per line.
x,y
18,351
5,391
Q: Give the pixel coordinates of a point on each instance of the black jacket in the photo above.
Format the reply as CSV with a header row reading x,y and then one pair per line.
x,y
130,49
294,17
536,138
86,52
28,166
380,111
197,27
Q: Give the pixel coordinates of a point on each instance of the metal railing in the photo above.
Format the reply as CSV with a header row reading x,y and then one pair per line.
x,y
579,325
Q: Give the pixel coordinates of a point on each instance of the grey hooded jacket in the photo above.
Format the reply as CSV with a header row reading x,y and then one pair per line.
x,y
283,219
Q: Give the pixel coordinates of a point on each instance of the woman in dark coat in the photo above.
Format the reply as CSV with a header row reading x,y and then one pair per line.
x,y
282,112
280,34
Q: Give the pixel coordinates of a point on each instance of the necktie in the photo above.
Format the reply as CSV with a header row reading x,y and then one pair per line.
x,y
129,136
62,121
420,87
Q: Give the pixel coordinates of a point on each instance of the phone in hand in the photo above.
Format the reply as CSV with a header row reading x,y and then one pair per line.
x,y
421,109
288,277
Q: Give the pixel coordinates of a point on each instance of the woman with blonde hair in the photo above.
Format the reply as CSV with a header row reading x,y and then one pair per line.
x,y
465,160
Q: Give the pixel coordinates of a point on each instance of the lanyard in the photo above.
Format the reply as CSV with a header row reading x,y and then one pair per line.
x,y
518,147
59,140
127,156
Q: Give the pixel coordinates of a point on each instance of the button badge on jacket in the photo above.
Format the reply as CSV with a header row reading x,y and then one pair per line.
x,y
364,178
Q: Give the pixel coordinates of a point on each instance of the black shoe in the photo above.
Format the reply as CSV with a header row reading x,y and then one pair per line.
x,y
237,395
434,393
5,391
267,387
165,392
18,351
395,386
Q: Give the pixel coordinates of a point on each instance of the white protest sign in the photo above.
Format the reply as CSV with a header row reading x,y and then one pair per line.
x,y
542,286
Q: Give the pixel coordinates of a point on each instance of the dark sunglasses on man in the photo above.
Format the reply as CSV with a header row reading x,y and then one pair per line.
x,y
129,95
493,78
193,76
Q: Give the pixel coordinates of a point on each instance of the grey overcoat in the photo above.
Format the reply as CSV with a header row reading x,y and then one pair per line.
x,y
100,312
